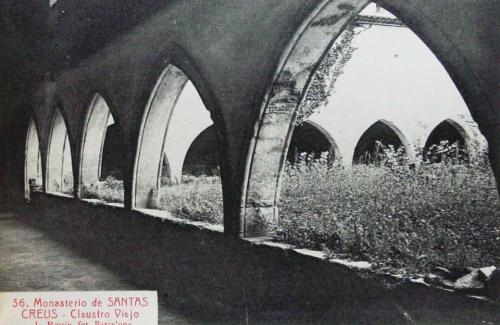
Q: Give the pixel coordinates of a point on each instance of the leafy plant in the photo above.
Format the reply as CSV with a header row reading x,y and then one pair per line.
x,y
330,69
109,190
195,198
390,212
394,214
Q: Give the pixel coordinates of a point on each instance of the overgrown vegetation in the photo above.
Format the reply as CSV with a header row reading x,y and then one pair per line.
x,y
109,190
330,69
196,198
392,213
389,211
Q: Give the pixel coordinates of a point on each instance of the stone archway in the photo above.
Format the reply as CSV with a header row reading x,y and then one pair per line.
x,y
312,139
33,162
387,134
101,137
59,161
451,132
149,157
278,113
168,127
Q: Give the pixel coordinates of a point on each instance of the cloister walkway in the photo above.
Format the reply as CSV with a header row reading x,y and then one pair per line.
x,y
32,261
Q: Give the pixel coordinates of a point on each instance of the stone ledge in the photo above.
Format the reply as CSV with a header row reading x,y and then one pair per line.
x,y
196,266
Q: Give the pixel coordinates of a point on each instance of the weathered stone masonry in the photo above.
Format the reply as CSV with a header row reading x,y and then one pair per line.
x,y
251,62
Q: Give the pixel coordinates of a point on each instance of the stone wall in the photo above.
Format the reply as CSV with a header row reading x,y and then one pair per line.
x,y
195,267
250,61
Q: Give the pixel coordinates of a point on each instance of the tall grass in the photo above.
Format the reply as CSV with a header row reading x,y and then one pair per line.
x,y
196,198
394,214
389,211
109,190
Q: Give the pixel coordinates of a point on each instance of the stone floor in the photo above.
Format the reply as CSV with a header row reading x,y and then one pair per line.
x,y
30,261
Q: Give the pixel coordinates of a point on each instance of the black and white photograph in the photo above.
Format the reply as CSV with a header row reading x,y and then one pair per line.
x,y
249,162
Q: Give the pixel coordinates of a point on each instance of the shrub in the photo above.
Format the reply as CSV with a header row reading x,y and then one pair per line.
x,y
109,190
389,211
445,151
195,198
393,214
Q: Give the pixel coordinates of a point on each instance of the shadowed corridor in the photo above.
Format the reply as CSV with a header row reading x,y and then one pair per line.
x,y
32,261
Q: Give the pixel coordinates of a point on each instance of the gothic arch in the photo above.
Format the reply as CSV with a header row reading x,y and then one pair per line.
x,y
312,138
97,123
59,172
277,115
33,161
274,128
157,136
150,148
449,130
385,132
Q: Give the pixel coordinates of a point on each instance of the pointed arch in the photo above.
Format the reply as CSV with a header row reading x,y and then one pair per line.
x,y
166,131
99,126
277,115
33,162
450,131
294,74
312,138
59,172
385,132
150,145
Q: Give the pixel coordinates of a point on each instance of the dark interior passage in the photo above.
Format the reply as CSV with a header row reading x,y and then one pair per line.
x,y
455,147
445,131
367,149
202,157
59,267
113,153
307,138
